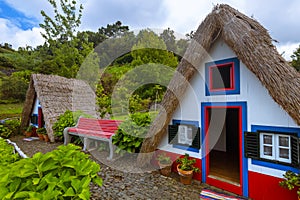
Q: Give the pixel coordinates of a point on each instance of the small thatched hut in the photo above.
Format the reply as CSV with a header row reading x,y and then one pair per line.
x,y
234,105
49,96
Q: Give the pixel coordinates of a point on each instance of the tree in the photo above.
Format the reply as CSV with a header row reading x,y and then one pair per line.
x,y
114,30
170,40
15,86
296,59
116,49
63,53
182,45
64,24
149,48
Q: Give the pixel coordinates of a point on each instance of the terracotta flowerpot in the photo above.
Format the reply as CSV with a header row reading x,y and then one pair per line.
x,y
41,136
185,176
28,134
165,169
46,138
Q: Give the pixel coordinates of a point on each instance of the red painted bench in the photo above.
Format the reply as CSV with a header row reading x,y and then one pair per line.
x,y
93,129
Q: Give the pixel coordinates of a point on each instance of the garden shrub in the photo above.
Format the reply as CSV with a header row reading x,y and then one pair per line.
x,y
131,133
13,125
68,119
9,127
5,132
291,181
8,154
65,173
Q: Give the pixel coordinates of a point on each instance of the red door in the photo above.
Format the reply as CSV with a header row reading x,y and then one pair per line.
x,y
223,146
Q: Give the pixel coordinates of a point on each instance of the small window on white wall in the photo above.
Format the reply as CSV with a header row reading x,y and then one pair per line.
x,y
275,147
185,135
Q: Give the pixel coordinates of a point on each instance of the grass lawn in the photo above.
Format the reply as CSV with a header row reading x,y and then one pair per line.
x,y
10,110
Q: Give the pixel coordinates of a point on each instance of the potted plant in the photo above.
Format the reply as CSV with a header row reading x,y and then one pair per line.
x,y
291,180
165,164
41,131
45,134
29,131
186,169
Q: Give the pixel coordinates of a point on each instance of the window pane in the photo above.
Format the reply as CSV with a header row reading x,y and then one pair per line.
x,y
284,153
221,76
189,139
268,139
268,151
284,141
182,134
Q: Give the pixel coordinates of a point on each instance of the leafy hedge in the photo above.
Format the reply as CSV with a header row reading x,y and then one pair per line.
x,y
64,173
9,127
7,155
130,135
68,119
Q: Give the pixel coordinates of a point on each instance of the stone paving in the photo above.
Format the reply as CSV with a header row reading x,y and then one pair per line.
x,y
145,184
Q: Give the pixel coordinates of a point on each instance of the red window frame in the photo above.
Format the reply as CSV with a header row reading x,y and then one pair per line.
x,y
232,85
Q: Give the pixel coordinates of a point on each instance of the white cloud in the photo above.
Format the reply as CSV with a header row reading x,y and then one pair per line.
x,y
17,37
31,8
287,49
185,17
134,13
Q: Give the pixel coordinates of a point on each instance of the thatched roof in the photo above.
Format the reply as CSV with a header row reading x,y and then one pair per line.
x,y
56,95
252,44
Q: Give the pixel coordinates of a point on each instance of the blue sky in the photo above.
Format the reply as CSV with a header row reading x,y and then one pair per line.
x,y
17,17
20,19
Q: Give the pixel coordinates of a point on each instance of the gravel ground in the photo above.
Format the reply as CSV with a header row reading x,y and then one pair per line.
x,y
32,147
122,179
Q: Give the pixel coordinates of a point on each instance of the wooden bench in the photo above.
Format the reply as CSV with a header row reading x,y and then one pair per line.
x,y
93,129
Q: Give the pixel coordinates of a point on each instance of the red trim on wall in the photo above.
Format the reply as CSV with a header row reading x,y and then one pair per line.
x,y
220,184
264,187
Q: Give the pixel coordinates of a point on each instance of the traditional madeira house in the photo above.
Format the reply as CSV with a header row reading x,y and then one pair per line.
x,y
234,105
49,96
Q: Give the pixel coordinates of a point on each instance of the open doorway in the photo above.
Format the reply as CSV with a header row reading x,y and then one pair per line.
x,y
224,155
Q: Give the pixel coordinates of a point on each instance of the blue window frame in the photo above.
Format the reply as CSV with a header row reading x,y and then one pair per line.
x,y
288,131
222,77
188,143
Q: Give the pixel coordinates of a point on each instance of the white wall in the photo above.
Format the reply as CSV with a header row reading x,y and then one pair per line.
x,y
261,108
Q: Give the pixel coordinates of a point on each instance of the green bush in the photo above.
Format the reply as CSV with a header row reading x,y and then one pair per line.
x,y
15,86
291,181
13,125
7,155
5,132
64,173
131,133
68,119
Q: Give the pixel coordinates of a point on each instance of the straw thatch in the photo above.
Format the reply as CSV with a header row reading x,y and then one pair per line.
x,y
56,95
253,46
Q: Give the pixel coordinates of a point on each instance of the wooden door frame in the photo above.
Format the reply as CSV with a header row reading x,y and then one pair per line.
x,y
242,106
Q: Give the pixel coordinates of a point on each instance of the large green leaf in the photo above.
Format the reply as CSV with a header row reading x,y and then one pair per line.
x,y
69,193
